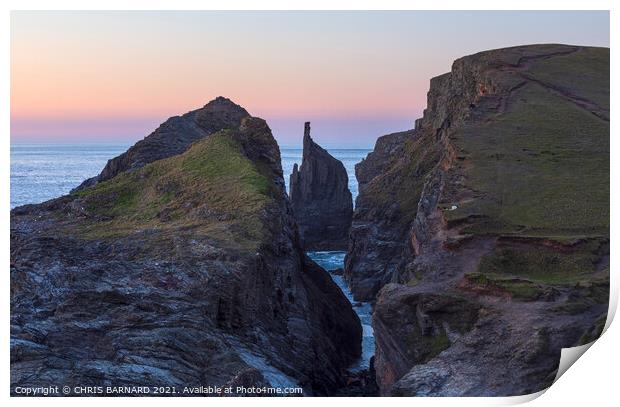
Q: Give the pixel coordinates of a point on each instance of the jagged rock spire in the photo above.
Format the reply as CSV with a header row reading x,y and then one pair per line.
x,y
321,198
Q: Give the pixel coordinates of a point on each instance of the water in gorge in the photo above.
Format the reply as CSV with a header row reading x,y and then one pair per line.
x,y
333,261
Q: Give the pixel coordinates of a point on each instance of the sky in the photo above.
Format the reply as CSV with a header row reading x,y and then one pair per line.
x,y
111,77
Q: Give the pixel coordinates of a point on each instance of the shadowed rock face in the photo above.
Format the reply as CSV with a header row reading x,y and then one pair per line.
x,y
321,199
185,272
387,231
173,137
483,234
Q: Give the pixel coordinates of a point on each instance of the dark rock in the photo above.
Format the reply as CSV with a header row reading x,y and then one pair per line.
x,y
246,383
414,327
359,384
378,224
387,149
106,292
173,137
477,215
337,272
321,199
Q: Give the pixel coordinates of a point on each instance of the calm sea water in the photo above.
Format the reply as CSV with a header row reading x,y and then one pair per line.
x,y
40,172
44,171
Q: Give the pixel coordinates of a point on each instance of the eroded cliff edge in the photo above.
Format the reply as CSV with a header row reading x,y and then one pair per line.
x,y
483,233
187,271
320,197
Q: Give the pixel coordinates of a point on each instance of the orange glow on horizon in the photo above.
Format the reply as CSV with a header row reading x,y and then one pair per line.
x,y
129,67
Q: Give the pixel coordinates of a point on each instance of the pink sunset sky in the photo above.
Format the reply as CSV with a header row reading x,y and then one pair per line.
x,y
112,77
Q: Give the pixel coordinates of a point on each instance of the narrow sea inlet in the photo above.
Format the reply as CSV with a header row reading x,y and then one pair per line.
x,y
332,262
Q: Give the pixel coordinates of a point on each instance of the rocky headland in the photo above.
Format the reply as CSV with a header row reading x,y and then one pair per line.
x,y
320,197
173,137
180,266
483,233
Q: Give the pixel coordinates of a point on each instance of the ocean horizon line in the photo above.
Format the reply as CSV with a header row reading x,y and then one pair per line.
x,y
65,143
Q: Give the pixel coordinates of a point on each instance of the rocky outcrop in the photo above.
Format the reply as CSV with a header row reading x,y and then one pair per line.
x,y
419,327
183,273
173,137
387,149
321,199
380,219
474,228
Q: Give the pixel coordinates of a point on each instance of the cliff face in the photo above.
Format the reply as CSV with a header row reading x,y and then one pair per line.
x,y
185,272
173,137
379,229
487,229
321,199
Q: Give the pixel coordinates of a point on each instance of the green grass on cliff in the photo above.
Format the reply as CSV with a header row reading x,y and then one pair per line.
x,y
539,169
517,288
213,189
403,184
529,272
585,75
540,264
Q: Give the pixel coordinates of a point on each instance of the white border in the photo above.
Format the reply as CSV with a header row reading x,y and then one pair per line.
x,y
591,381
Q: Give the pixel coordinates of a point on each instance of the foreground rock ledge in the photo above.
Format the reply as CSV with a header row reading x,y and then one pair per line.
x,y
185,272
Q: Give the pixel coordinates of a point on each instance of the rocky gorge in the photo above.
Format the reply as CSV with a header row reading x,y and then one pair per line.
x,y
184,272
480,237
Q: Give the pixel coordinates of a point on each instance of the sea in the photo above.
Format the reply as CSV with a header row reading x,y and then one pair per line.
x,y
40,172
